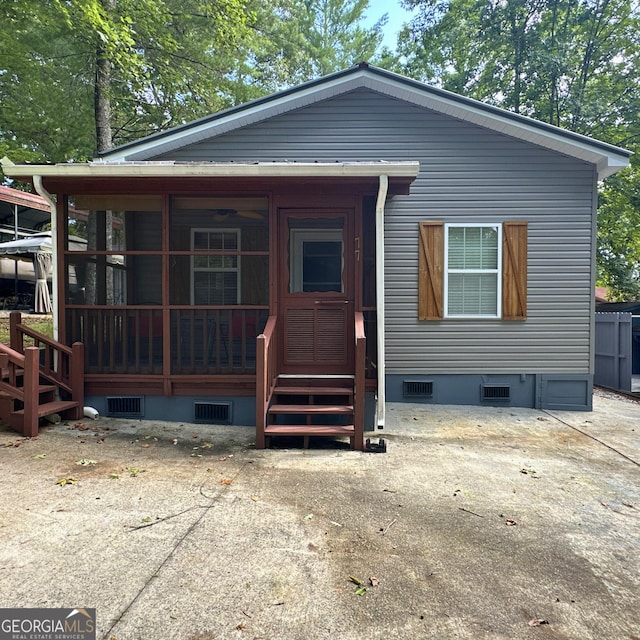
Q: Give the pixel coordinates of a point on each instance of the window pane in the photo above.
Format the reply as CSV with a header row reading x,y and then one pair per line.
x,y
473,294
215,287
322,266
473,248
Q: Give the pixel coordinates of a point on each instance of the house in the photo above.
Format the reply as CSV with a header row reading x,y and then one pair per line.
x,y
359,236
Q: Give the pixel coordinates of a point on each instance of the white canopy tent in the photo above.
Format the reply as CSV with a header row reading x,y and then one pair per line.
x,y
38,249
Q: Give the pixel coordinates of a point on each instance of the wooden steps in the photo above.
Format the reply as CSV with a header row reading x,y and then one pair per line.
x,y
39,379
309,430
309,406
49,408
313,409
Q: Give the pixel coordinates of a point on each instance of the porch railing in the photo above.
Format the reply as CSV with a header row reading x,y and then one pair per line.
x,y
266,374
131,340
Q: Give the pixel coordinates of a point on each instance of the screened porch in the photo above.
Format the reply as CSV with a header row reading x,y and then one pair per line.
x,y
168,286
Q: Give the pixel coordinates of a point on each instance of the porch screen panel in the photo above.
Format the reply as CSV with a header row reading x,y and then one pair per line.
x,y
219,251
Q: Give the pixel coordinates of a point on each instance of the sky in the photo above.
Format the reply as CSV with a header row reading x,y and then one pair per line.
x,y
397,17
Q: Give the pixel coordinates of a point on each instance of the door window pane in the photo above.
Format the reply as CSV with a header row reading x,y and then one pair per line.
x,y
316,260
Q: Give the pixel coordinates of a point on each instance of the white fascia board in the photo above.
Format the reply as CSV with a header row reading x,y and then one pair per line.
x,y
514,125
213,170
607,158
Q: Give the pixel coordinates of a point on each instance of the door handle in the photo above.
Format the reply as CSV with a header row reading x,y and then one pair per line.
x,y
331,302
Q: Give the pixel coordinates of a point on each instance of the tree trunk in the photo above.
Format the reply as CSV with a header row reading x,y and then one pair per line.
x,y
104,141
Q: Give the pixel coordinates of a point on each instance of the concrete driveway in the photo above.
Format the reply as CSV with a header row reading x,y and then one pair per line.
x,y
477,523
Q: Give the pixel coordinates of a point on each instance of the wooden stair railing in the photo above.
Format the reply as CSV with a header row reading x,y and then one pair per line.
x,y
291,405
40,380
359,381
266,374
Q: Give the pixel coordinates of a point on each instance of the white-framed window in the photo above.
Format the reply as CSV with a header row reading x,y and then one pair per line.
x,y
473,270
215,278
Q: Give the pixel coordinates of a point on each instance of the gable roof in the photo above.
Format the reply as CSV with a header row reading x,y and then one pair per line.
x,y
607,158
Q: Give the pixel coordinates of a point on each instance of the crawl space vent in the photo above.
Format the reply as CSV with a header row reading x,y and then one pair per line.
x,y
125,407
493,392
417,389
212,412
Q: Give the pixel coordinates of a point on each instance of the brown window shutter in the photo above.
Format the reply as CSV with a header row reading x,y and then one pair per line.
x,y
430,271
514,270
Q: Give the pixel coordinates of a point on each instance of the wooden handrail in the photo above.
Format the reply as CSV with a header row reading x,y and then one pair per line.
x,y
265,376
359,382
47,359
45,340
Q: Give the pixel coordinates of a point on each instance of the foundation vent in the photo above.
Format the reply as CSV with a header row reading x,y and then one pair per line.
x,y
125,407
417,389
212,412
496,392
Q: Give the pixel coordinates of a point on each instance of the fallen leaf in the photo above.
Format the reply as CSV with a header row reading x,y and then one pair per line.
x,y
510,523
145,445
536,622
85,462
255,498
374,582
133,472
309,516
240,627
226,481
64,481
147,519
360,591
40,456
355,580
114,476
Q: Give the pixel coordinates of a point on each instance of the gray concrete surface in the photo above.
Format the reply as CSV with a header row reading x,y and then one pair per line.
x,y
476,523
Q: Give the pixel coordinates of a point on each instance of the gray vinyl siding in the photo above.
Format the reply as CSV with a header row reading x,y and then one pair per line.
x,y
468,174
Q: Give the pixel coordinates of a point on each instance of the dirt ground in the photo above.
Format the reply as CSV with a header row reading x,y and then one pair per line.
x,y
478,523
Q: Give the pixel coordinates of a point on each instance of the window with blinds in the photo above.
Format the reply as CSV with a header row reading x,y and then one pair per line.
x,y
215,279
473,264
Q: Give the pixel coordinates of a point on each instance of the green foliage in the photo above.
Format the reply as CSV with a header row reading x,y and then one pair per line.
x,y
619,235
166,62
572,63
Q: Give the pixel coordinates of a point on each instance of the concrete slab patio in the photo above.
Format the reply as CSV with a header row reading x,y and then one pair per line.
x,y
477,523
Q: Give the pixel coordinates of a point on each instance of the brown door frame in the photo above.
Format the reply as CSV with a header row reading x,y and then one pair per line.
x,y
346,300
